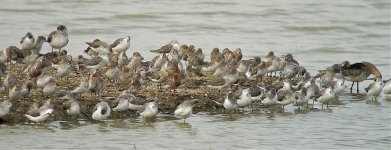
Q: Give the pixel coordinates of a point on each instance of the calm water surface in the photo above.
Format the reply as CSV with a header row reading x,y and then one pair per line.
x,y
317,33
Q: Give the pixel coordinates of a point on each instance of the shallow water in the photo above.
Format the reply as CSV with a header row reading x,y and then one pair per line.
x,y
317,33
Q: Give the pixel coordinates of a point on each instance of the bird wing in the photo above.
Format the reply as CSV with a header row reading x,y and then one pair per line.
x,y
21,41
116,42
369,87
50,36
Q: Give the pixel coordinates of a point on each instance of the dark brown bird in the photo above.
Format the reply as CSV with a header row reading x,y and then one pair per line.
x,y
13,53
238,54
214,53
359,72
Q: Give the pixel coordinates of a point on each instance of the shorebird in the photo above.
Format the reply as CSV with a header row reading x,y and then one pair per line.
x,y
261,70
230,102
285,94
271,98
27,41
95,83
35,69
218,61
135,61
312,91
149,110
35,51
27,88
173,55
339,86
290,70
10,81
5,107
175,81
214,54
112,72
98,46
301,98
120,45
387,87
101,111
229,56
274,63
83,86
325,96
326,76
121,103
97,62
43,79
122,59
289,58
64,68
38,45
72,107
167,48
50,89
229,77
245,98
184,110
40,114
358,72
243,66
59,38
15,93
270,56
13,54
257,89
374,89
237,54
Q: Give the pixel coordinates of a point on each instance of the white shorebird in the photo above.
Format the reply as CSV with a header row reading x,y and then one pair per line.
x,y
27,41
325,96
339,86
301,98
43,79
50,88
271,98
72,107
230,102
64,68
121,103
245,98
184,110
313,91
40,114
83,86
374,89
120,45
150,110
5,107
101,111
59,38
43,115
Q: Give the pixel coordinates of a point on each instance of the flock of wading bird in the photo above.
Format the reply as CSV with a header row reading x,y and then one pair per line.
x,y
173,63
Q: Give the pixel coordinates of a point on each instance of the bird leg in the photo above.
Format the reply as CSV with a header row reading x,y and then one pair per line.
x,y
351,88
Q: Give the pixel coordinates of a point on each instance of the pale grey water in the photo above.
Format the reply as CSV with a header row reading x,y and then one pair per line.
x,y
317,33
